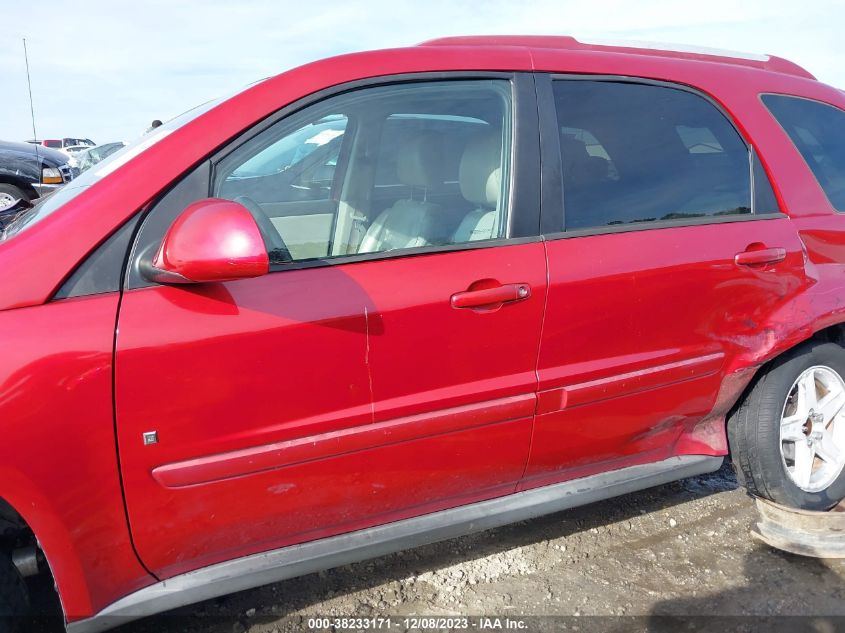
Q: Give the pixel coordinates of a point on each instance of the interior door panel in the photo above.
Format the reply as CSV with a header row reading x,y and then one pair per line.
x,y
306,236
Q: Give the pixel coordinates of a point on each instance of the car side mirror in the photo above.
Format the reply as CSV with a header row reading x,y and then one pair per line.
x,y
212,240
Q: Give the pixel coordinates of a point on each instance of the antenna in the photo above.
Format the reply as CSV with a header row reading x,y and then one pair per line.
x,y
31,107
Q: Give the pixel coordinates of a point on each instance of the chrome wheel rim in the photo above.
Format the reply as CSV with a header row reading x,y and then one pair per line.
x,y
812,429
6,200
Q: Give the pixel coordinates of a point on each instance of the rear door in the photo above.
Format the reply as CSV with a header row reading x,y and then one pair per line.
x,y
348,387
668,263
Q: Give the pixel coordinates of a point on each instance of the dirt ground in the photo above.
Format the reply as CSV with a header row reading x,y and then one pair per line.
x,y
682,550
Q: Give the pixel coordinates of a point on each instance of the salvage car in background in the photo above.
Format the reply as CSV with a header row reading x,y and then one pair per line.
x,y
398,296
27,173
93,155
55,143
72,153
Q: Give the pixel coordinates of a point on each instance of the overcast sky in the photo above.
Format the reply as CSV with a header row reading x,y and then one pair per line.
x,y
104,69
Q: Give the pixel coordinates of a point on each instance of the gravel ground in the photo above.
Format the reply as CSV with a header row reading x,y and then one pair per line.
x,y
680,550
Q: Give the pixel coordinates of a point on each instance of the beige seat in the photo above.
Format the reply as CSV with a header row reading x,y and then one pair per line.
x,y
480,178
413,222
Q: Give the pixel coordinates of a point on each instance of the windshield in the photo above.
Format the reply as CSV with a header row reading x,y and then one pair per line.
x,y
49,203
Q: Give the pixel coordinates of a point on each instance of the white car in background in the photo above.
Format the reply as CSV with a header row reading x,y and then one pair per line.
x,y
93,155
73,152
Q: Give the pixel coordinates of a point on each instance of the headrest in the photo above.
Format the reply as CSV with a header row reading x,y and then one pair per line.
x,y
480,172
573,151
420,161
579,167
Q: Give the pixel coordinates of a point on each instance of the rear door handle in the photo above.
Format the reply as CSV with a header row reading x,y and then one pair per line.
x,y
491,297
760,257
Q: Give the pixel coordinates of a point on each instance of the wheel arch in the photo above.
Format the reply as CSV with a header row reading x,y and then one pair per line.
x,y
22,184
815,315
21,500
825,333
830,334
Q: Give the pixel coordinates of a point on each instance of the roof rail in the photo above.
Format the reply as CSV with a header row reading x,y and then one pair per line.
x,y
658,49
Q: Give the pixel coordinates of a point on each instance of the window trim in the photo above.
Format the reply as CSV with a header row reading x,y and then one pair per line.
x,y
402,253
553,212
792,143
653,225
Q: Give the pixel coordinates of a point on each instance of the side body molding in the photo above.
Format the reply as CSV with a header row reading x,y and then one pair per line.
x,y
330,444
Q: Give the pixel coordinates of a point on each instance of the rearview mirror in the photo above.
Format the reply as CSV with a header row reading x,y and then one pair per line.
x,y
212,240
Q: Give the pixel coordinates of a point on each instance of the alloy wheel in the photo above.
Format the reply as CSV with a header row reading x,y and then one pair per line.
x,y
812,429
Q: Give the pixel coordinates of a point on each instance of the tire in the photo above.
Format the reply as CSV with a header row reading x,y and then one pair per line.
x,y
7,192
774,444
14,597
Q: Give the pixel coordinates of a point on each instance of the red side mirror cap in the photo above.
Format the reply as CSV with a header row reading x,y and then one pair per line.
x,y
212,240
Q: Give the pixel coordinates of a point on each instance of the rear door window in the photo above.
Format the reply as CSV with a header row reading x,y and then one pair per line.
x,y
818,132
634,153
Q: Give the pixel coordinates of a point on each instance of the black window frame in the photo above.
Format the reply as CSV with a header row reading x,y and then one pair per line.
x,y
553,212
524,193
103,269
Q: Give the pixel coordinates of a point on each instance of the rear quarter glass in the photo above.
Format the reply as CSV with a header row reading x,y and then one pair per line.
x,y
817,130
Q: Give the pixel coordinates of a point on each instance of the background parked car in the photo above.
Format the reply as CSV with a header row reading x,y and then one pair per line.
x,y
93,155
27,173
55,143
72,152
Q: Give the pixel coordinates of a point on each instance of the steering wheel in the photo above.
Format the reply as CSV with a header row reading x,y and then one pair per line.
x,y
276,247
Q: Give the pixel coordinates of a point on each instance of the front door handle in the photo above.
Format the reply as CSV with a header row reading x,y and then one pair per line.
x,y
491,298
760,257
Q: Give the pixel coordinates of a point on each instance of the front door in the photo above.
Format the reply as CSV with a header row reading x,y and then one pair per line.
x,y
384,368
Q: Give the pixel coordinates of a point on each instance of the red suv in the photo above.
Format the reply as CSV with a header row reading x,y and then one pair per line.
x,y
397,296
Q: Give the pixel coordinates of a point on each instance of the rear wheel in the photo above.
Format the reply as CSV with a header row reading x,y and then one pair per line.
x,y
787,437
14,597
